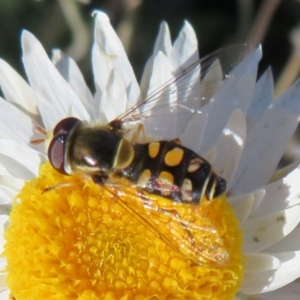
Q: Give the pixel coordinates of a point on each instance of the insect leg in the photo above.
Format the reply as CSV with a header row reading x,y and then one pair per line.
x,y
55,187
176,141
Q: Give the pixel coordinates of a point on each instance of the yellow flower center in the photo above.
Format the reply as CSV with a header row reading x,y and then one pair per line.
x,y
79,241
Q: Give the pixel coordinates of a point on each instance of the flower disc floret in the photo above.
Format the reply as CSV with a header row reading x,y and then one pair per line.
x,y
75,241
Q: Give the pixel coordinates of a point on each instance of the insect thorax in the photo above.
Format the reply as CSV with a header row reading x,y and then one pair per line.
x,y
95,150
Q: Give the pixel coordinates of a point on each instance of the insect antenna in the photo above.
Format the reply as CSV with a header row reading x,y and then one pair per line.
x,y
37,141
39,129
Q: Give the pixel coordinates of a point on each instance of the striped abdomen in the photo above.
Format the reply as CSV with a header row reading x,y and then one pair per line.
x,y
175,172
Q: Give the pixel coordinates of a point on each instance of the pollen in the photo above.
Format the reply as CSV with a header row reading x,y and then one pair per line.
x,y
84,241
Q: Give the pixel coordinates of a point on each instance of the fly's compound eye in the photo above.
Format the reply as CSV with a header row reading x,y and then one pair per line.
x,y
65,126
56,153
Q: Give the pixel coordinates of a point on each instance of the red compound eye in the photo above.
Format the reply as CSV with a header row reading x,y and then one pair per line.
x,y
56,153
65,126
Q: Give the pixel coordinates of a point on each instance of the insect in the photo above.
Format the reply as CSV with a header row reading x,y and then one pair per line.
x,y
109,153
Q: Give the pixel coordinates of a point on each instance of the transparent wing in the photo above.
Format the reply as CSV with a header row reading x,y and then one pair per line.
x,y
188,91
187,229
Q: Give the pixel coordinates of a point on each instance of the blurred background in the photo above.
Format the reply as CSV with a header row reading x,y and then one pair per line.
x,y
67,24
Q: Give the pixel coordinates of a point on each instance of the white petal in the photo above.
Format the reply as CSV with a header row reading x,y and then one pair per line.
x,y
53,94
242,206
2,243
145,81
212,81
3,285
262,282
162,124
288,292
12,182
131,94
72,112
263,232
161,74
3,263
3,170
113,100
187,97
68,68
230,145
261,262
259,196
188,86
185,49
19,160
245,205
280,195
16,89
210,155
3,220
263,97
163,41
194,132
14,123
7,194
283,172
4,294
108,53
267,141
289,243
232,95
5,207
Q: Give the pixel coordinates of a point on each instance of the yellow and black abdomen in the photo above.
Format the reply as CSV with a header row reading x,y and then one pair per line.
x,y
175,172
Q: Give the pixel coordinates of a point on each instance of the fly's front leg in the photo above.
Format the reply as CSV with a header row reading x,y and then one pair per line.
x,y
99,179
111,179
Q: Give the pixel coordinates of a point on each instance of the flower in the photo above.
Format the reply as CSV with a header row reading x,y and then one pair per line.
x,y
247,129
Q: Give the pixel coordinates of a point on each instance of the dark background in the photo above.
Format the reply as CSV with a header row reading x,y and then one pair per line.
x,y
216,22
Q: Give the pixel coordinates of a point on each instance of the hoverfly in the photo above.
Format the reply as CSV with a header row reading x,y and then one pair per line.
x,y
164,168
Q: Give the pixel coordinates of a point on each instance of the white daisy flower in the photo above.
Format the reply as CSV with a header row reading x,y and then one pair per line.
x,y
77,242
